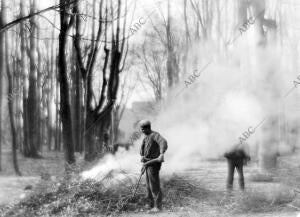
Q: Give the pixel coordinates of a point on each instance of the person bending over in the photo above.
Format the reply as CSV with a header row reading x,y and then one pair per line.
x,y
236,159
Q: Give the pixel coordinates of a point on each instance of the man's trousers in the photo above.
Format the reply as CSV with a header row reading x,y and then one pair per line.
x,y
153,186
232,164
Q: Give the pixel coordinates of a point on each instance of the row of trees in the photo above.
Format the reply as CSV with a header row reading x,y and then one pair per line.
x,y
64,82
54,77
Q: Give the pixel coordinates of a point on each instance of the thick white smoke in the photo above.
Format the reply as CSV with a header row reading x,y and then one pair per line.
x,y
122,164
210,115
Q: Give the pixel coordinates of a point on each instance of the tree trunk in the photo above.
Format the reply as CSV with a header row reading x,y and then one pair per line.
x,y
90,149
172,61
57,119
11,111
187,37
170,73
2,18
51,72
77,111
51,77
65,110
39,91
32,92
25,89
18,100
98,117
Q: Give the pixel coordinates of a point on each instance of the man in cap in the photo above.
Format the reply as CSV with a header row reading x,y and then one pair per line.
x,y
152,152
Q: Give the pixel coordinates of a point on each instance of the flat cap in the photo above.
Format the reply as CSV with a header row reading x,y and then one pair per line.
x,y
145,123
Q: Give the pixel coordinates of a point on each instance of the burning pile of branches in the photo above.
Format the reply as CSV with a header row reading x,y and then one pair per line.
x,y
73,196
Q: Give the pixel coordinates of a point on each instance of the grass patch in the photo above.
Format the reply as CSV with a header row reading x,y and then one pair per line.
x,y
258,177
254,202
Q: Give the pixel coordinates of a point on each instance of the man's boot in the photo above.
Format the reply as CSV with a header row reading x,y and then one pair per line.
x,y
149,202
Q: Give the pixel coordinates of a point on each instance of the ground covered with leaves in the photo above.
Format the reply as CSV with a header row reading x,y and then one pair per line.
x,y
72,196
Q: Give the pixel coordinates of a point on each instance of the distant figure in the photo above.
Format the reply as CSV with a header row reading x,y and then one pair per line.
x,y
106,142
125,145
28,187
115,148
236,158
152,152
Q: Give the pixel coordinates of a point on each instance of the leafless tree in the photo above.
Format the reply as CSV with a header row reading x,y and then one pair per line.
x,y
66,23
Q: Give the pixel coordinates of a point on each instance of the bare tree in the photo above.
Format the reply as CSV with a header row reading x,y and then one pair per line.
x,y
119,108
187,36
152,60
29,16
26,149
11,106
65,111
172,57
32,149
97,119
2,22
203,12
171,43
51,96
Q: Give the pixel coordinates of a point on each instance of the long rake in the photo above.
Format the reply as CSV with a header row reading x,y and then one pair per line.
x,y
138,183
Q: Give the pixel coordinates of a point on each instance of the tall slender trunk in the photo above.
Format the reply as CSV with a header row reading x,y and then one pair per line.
x,y
172,62
77,107
18,101
170,72
25,85
32,92
39,102
2,18
57,120
59,134
65,110
51,77
187,37
50,97
11,110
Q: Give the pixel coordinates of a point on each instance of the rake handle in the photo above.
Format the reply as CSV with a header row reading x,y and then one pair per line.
x,y
137,185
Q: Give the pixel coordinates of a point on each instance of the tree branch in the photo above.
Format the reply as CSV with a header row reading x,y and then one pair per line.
x,y
21,19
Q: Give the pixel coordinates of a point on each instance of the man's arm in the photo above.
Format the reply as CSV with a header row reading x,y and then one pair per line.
x,y
142,148
142,152
162,142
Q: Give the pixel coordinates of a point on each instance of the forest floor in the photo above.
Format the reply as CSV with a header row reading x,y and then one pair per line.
x,y
211,175
13,187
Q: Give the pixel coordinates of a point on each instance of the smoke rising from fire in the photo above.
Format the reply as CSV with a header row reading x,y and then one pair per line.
x,y
208,118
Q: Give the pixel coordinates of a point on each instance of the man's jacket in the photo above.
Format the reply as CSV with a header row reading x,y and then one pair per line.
x,y
238,155
153,145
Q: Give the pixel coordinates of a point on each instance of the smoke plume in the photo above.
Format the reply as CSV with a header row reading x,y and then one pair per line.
x,y
207,118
